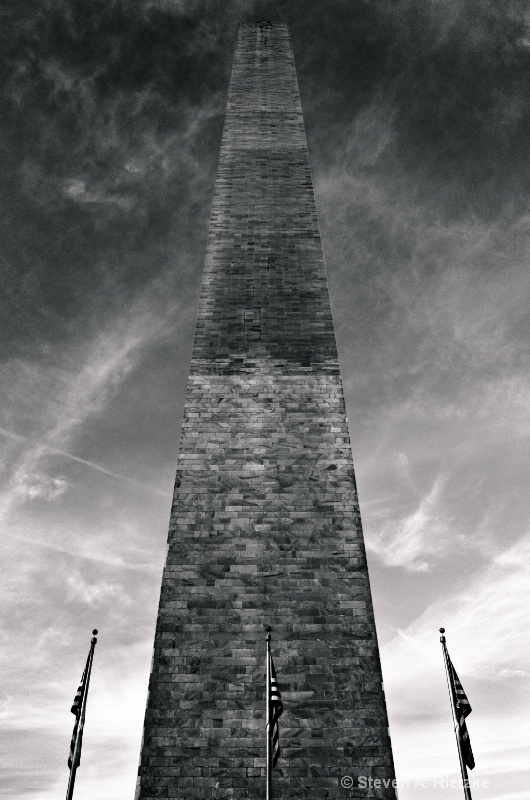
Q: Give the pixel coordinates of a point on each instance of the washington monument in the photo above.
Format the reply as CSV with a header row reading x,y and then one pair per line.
x,y
265,526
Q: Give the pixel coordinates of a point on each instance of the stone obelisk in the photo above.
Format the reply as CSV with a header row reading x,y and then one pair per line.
x,y
265,526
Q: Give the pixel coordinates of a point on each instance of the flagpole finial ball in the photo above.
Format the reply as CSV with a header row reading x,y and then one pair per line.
x,y
94,632
442,630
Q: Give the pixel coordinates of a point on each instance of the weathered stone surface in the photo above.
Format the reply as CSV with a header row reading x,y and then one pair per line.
x,y
265,526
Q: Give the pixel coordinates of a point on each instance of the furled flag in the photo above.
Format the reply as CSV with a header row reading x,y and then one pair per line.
x,y
276,710
462,709
76,709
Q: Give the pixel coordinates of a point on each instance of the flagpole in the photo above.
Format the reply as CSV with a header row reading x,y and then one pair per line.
x,y
78,739
463,768
268,791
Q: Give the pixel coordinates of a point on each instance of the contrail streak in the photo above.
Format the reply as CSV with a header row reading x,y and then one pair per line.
x,y
18,438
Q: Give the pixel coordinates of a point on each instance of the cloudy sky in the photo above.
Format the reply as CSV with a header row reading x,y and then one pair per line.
x,y
418,123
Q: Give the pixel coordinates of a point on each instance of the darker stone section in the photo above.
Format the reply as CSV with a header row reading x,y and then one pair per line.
x,y
264,289
265,527
267,300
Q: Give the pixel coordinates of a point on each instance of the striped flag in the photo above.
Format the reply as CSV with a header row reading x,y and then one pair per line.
x,y
276,710
463,709
76,709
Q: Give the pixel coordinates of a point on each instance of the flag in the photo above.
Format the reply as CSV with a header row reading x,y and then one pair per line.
x,y
72,745
78,699
77,706
276,710
462,710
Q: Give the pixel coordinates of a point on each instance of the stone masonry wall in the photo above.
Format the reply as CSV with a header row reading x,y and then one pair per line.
x,y
265,525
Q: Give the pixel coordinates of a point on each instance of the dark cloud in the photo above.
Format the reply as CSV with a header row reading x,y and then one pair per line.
x,y
110,132
112,114
460,79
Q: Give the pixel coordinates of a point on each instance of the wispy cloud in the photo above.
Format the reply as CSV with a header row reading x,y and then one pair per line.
x,y
97,592
115,714
143,559
487,628
489,622
60,484
81,394
406,542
